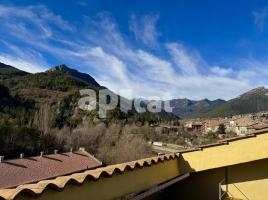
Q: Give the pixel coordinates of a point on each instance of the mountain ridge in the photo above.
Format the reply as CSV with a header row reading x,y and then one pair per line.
x,y
255,100
8,71
73,72
186,107
64,78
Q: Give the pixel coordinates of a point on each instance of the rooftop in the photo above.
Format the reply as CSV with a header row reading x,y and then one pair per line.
x,y
33,169
142,172
212,123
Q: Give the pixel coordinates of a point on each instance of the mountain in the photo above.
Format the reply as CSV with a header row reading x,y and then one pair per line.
x,y
40,112
42,100
253,101
53,96
188,108
256,91
59,89
75,73
7,71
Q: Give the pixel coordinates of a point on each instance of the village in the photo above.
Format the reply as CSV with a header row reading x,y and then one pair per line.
x,y
237,124
189,133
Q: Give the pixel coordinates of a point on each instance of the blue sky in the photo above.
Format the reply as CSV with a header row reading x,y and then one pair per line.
x,y
143,48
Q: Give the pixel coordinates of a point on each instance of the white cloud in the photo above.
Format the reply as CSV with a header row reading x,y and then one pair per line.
x,y
100,49
144,29
27,60
106,64
155,68
40,20
221,71
187,62
254,72
25,65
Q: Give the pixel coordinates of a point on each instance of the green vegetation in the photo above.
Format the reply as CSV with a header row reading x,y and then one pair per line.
x,y
39,112
243,105
253,101
221,129
7,71
50,81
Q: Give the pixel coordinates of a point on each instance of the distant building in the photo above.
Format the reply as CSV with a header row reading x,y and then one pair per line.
x,y
241,125
229,125
193,126
231,169
212,125
258,126
244,125
33,169
165,129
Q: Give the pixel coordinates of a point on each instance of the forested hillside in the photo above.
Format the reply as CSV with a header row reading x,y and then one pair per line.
x,y
255,100
187,108
40,112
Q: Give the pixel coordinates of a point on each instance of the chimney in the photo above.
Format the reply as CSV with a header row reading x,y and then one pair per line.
x,y
41,154
2,158
55,151
21,155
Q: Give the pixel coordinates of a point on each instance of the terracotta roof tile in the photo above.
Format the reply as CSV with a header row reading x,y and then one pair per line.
x,y
212,123
33,169
62,181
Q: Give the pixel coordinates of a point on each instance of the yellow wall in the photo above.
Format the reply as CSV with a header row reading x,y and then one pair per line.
x,y
236,152
247,161
199,186
248,181
116,186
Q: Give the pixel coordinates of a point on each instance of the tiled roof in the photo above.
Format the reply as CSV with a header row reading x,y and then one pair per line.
x,y
61,182
259,126
34,169
245,121
212,123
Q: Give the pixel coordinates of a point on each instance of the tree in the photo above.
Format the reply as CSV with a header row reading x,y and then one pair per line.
x,y
221,129
4,92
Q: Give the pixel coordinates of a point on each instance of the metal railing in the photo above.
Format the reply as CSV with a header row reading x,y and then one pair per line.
x,y
222,194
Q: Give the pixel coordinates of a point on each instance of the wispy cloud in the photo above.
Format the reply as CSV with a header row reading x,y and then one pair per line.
x,y
102,50
33,25
260,18
27,59
187,62
28,66
221,71
82,3
144,29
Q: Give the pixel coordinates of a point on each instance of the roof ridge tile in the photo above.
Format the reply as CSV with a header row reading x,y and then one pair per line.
x,y
62,181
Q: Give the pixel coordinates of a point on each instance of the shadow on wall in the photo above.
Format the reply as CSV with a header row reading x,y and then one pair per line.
x,y
201,185
251,179
252,171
